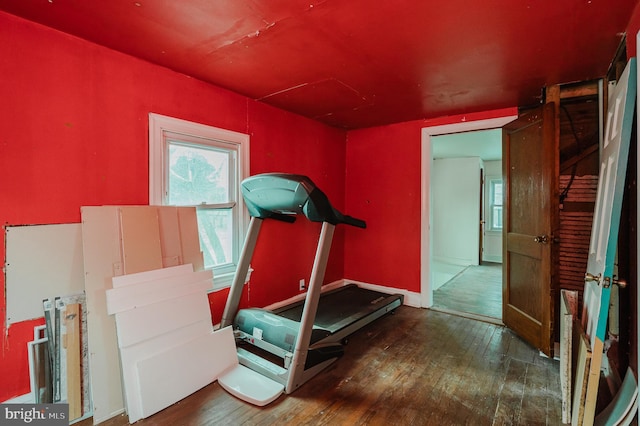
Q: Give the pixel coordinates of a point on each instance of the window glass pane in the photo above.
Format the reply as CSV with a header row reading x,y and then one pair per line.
x,y
197,175
216,239
497,193
496,220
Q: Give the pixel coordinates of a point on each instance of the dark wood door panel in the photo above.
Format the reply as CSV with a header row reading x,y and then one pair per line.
x,y
524,291
529,171
524,244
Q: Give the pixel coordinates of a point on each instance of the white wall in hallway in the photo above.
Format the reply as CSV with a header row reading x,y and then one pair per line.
x,y
456,210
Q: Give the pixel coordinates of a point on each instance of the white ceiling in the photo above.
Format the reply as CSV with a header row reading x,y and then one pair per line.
x,y
486,144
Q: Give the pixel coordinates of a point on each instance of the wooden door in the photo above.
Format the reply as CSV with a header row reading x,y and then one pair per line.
x,y
529,165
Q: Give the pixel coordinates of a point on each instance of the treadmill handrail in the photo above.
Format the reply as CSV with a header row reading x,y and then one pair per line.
x,y
349,220
282,196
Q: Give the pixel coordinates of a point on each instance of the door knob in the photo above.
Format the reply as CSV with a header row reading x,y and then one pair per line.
x,y
542,239
591,277
622,283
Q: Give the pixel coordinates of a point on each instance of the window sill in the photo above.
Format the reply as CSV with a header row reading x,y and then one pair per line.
x,y
223,281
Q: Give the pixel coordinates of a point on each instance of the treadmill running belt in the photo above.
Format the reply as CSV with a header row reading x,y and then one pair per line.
x,y
341,307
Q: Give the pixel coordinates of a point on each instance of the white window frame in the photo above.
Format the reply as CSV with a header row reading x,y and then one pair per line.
x,y
492,183
160,126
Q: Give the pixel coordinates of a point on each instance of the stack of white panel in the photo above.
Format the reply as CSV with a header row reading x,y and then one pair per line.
x,y
168,348
119,240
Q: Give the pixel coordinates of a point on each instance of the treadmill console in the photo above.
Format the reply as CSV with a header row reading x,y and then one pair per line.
x,y
282,196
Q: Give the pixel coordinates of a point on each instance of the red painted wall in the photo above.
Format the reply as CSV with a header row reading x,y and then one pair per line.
x,y
74,119
74,132
384,188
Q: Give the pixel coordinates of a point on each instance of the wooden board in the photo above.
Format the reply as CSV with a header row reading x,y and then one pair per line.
x,y
72,342
170,236
582,372
140,233
102,260
83,362
568,314
189,238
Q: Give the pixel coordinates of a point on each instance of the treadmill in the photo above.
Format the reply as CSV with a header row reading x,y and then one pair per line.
x,y
280,350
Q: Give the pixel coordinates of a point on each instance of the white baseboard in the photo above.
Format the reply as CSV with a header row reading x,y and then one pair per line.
x,y
410,298
454,260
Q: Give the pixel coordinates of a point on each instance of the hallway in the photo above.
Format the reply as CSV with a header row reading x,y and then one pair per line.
x,y
476,290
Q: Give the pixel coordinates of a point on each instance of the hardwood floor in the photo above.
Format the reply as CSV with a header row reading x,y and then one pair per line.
x,y
476,290
415,367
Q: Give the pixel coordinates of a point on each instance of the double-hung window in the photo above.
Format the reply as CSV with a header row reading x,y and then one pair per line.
x,y
495,206
192,164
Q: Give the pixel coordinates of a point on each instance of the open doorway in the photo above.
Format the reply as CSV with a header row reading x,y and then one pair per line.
x,y
466,245
449,153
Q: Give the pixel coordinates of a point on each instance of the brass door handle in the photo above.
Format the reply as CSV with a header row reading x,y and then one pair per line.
x,y
622,283
591,277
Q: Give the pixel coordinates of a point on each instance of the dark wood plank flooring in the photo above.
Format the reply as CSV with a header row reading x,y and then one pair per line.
x,y
476,290
415,367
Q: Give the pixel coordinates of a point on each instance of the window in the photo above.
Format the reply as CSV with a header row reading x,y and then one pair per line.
x,y
496,204
192,164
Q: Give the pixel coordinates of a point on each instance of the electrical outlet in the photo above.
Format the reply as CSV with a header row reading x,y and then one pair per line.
x,y
302,285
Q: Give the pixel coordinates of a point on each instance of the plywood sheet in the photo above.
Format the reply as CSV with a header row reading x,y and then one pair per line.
x,y
170,236
101,245
583,365
568,310
593,382
83,362
43,261
189,238
140,232
74,366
